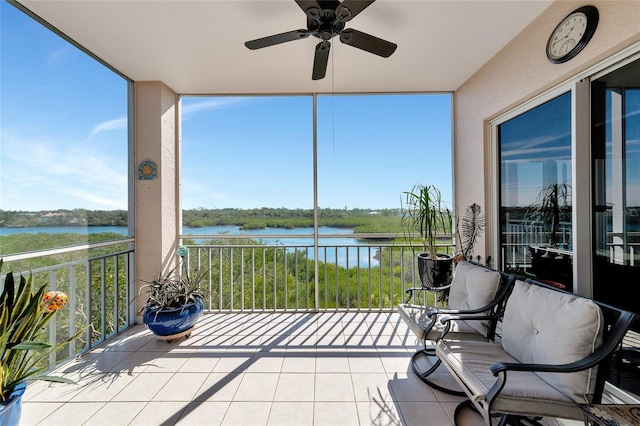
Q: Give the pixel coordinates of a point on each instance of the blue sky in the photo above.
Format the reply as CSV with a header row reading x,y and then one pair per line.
x,y
63,138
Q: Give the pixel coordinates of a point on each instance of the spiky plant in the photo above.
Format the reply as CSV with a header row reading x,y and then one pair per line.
x,y
174,290
471,229
551,205
424,212
24,313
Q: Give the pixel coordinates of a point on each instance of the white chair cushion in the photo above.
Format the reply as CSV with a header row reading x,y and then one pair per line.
x,y
543,326
523,393
473,287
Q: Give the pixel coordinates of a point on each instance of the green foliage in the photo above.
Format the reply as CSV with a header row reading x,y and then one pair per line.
x,y
61,217
174,290
362,220
426,214
26,242
275,278
23,317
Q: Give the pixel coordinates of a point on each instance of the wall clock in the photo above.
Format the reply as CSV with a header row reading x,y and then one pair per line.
x,y
572,34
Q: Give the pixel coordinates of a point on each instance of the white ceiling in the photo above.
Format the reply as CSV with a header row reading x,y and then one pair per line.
x,y
197,47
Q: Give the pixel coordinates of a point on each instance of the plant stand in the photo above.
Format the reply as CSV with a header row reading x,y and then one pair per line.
x,y
170,337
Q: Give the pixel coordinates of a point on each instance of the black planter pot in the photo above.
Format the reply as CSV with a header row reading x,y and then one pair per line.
x,y
435,272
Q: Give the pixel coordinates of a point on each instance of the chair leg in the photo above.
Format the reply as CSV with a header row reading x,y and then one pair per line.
x,y
524,421
423,375
464,405
512,420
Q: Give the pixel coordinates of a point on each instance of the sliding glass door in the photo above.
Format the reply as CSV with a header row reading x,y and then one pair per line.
x,y
535,192
615,139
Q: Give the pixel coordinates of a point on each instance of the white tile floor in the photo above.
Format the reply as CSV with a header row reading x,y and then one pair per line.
x,y
249,369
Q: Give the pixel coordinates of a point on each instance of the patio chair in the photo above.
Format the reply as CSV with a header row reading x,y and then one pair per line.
x,y
475,290
554,356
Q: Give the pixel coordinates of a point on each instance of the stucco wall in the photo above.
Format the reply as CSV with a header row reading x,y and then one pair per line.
x,y
518,73
156,206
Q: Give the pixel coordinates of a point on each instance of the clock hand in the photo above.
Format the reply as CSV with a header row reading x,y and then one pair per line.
x,y
567,36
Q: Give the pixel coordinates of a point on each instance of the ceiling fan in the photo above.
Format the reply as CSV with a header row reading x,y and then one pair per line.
x,y
325,20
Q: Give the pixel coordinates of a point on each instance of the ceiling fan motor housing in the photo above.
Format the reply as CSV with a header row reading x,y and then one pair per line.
x,y
324,26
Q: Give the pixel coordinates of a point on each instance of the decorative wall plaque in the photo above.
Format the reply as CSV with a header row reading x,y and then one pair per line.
x,y
147,170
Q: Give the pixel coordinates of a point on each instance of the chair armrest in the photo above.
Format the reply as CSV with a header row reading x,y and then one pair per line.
x,y
446,320
481,310
500,369
470,316
410,291
582,364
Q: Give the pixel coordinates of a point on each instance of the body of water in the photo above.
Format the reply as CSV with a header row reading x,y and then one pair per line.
x,y
122,230
344,256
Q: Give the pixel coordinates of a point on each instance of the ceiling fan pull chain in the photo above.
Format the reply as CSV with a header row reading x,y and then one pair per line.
x,y
333,106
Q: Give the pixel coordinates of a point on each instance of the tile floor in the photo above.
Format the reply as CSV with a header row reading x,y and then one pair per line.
x,y
249,369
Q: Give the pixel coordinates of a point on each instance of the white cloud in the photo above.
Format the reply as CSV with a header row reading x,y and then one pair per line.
x,y
41,174
57,56
217,103
117,124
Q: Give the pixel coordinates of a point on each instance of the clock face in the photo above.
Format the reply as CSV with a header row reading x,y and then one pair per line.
x,y
567,35
572,34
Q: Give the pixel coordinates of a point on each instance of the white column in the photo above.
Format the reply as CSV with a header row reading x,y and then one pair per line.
x,y
156,200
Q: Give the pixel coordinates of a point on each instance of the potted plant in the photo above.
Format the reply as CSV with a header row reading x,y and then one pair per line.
x,y
174,302
470,229
426,214
24,312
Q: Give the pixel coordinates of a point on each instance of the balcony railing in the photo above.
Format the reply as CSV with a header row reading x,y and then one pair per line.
x,y
98,278
243,275
516,253
246,275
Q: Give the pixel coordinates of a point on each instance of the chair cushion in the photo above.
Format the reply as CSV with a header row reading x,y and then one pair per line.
x,y
473,287
524,392
544,326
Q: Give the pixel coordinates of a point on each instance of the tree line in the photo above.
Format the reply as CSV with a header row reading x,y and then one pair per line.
x,y
361,220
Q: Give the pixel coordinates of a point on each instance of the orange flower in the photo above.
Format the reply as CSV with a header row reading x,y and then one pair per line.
x,y
58,300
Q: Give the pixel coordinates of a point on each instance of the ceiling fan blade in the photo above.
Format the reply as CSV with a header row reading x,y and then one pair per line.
x,y
329,4
320,60
276,39
354,7
308,4
368,42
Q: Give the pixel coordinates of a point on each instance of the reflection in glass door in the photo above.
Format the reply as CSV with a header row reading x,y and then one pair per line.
x,y
535,193
615,139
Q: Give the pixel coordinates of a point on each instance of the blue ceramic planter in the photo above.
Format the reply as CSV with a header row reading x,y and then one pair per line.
x,y
167,322
11,409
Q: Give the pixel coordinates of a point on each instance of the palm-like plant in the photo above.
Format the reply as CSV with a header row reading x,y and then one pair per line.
x,y
424,212
470,229
174,290
552,202
24,312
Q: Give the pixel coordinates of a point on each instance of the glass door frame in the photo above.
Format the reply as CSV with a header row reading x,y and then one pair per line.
x,y
582,230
